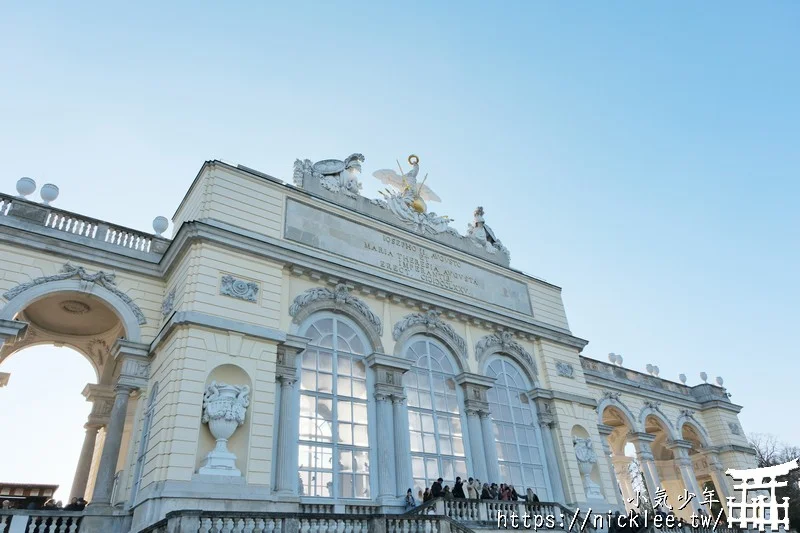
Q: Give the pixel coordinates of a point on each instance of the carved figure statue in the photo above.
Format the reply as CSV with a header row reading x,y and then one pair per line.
x,y
334,175
407,201
482,235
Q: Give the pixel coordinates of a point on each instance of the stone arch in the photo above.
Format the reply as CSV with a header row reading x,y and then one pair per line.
x,y
72,346
503,343
401,347
340,301
652,409
127,311
689,420
612,400
429,324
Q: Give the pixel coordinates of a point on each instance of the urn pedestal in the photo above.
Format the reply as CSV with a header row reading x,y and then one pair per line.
x,y
224,408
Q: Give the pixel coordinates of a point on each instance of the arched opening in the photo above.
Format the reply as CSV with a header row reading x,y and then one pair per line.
x,y
88,324
434,414
43,417
516,430
630,481
333,454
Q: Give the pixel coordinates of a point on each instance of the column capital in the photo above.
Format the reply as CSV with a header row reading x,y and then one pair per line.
x,y
286,353
398,399
388,370
383,397
641,437
135,361
102,398
10,329
605,430
679,446
475,387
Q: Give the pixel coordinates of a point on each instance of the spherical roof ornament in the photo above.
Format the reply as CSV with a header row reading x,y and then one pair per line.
x,y
25,187
704,377
49,193
160,225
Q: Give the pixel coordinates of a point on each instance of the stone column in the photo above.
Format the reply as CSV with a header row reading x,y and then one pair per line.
x,y
394,455
386,462
133,358
720,480
680,449
641,441
102,398
286,471
402,447
480,429
84,462
605,433
490,449
476,444
622,471
110,456
547,423
286,476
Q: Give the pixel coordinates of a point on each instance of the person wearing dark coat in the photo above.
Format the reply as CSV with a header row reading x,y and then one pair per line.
x,y
485,494
436,489
458,489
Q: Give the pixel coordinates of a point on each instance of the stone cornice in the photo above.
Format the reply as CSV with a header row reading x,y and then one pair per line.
x,y
605,430
678,444
389,361
195,318
674,399
641,436
301,260
10,329
548,394
736,448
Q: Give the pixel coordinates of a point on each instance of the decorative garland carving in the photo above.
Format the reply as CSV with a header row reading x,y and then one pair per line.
x,y
432,321
503,340
68,271
340,296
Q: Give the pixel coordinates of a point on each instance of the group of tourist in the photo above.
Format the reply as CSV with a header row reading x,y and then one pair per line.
x,y
77,504
472,489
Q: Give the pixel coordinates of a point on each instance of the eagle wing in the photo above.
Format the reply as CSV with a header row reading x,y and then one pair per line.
x,y
390,177
427,194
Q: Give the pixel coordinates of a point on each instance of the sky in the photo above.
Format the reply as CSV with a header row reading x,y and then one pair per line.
x,y
644,157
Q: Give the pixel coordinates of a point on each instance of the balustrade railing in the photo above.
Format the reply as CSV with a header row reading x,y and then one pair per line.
x,y
12,521
79,225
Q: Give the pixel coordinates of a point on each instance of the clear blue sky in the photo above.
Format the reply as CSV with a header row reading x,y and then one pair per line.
x,y
642,156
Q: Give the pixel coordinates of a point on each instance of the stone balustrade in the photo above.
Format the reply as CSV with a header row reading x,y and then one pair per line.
x,y
22,521
84,229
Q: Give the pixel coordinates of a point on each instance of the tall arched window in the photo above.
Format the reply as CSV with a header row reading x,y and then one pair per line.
x,y
434,420
519,445
333,441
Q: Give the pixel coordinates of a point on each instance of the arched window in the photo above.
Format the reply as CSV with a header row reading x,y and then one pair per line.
x,y
519,445
333,441
144,442
434,420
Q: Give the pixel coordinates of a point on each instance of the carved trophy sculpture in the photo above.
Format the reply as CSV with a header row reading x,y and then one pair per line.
x,y
407,202
334,175
224,407
482,235
586,461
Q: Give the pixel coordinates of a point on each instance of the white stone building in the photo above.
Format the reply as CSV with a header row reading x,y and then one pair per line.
x,y
348,349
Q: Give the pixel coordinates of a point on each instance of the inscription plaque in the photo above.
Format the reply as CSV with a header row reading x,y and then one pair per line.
x,y
332,233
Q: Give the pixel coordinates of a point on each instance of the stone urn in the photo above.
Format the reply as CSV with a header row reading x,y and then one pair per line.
x,y
584,452
224,408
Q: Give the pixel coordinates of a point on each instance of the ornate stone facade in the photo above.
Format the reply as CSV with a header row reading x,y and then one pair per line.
x,y
476,374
